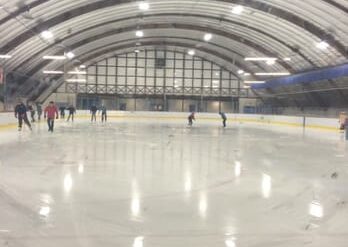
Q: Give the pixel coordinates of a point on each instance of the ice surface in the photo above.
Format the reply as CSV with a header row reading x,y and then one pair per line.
x,y
162,184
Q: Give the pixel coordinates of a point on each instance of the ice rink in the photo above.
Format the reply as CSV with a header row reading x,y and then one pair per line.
x,y
132,183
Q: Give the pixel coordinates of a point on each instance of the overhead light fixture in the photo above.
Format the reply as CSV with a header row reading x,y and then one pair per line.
x,y
191,52
260,58
254,82
82,66
276,73
77,72
47,34
139,33
70,55
136,50
76,80
322,45
54,57
246,87
271,62
53,72
247,74
240,71
144,6
237,10
287,59
208,36
5,56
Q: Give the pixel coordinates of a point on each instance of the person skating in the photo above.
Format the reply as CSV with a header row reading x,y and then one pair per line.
x,y
93,111
62,112
32,112
72,111
224,118
39,111
51,112
21,115
191,117
104,116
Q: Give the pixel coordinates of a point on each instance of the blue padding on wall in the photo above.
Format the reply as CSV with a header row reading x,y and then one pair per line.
x,y
312,76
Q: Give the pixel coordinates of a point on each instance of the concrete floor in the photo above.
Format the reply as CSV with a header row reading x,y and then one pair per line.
x,y
142,184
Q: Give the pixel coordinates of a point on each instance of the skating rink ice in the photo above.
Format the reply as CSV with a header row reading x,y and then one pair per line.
x,y
137,183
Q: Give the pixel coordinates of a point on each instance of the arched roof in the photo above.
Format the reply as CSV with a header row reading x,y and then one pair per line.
x,y
272,28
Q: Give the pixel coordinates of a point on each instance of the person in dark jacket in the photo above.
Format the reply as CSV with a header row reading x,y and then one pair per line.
x,y
191,117
104,116
72,111
62,112
93,111
21,115
39,111
224,118
32,112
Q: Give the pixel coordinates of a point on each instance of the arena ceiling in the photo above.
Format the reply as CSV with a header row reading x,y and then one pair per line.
x,y
301,34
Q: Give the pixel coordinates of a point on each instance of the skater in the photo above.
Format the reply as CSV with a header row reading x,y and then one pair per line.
x,y
32,112
21,115
191,117
39,111
93,111
72,111
62,112
104,116
51,112
224,118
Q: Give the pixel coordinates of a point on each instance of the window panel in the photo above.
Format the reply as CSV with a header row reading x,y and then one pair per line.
x,y
101,79
131,62
198,64
189,64
160,72
206,83
112,61
91,79
207,74
130,80
150,81
102,63
178,73
111,80
188,73
225,83
150,63
179,56
150,54
225,74
197,82
141,72
101,70
179,64
121,71
150,72
207,65
169,73
198,74
141,62
92,70
121,80
170,63
188,82
130,71
121,61
111,70
170,54
141,81
159,81
169,82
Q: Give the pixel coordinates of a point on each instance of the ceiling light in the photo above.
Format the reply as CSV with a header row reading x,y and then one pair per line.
x,y
136,51
82,66
5,56
246,87
260,58
77,72
208,36
54,57
76,80
322,45
139,33
144,6
240,71
191,52
247,74
237,10
47,34
54,72
254,82
287,59
277,73
271,62
70,55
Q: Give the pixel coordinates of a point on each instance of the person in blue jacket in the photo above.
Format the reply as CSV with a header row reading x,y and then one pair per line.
x,y
21,115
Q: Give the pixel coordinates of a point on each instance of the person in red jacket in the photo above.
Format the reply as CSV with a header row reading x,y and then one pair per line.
x,y
51,112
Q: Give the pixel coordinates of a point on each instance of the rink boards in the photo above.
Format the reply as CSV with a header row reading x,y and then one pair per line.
x,y
7,120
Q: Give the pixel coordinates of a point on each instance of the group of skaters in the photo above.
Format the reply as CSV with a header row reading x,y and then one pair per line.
x,y
192,118
50,114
